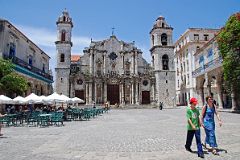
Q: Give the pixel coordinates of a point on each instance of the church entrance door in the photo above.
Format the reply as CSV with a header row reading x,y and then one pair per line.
x,y
145,97
113,93
80,94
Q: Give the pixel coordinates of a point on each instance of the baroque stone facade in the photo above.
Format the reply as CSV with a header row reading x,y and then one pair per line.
x,y
115,71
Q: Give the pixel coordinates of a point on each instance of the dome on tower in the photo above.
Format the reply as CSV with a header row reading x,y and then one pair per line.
x,y
160,22
65,18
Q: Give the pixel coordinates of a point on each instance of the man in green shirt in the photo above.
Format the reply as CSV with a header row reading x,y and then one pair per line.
x,y
193,126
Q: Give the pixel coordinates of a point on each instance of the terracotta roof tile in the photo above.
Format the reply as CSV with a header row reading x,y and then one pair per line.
x,y
75,58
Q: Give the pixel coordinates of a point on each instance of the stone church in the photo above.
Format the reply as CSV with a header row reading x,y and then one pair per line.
x,y
113,70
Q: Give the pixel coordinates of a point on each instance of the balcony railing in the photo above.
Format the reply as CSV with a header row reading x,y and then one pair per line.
x,y
27,66
210,65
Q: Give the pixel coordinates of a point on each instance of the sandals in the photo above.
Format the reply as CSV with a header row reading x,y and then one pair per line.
x,y
204,145
214,151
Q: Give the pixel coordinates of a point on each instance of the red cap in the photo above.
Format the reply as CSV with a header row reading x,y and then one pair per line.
x,y
193,100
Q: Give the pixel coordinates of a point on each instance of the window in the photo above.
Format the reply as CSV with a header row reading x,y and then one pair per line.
x,y
188,80
79,82
153,40
63,35
145,82
166,73
64,18
113,56
163,25
12,50
166,81
30,60
164,39
178,83
197,48
62,58
205,37
61,80
43,68
196,37
165,60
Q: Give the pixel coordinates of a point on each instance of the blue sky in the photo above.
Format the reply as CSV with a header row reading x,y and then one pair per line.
x,y
133,19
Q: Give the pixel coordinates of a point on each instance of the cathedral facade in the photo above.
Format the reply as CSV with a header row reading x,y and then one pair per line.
x,y
109,70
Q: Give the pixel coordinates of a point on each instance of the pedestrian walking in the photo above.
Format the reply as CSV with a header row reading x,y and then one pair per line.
x,y
208,123
193,126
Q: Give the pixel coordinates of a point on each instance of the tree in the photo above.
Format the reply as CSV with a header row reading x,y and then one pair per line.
x,y
6,67
229,45
11,82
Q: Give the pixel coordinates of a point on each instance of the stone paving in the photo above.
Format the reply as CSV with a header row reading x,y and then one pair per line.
x,y
136,134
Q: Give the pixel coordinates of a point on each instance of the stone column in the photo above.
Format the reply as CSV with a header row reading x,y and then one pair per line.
x,y
105,91
122,88
153,92
120,94
95,92
219,93
132,64
136,63
104,63
91,62
132,93
137,94
87,93
90,93
234,105
208,80
130,96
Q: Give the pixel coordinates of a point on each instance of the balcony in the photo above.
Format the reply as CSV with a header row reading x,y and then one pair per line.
x,y
25,65
208,67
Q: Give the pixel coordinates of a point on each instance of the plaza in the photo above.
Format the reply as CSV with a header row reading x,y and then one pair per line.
x,y
120,134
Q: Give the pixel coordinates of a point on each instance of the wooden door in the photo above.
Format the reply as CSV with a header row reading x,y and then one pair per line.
x,y
113,93
80,94
145,97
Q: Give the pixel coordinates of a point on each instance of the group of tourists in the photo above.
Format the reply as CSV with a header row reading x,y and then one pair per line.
x,y
206,120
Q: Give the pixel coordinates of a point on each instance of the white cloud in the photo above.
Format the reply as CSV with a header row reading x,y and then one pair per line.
x,y
46,38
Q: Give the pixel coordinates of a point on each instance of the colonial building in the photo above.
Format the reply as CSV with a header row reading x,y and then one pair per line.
x,y
162,52
209,75
30,61
109,70
185,48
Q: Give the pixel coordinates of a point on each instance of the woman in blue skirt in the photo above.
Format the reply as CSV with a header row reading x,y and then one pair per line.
x,y
208,112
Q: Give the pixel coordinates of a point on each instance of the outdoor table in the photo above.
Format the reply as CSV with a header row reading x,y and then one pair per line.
x,y
12,118
44,118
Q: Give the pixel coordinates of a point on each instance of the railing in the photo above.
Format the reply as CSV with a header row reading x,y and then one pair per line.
x,y
207,66
25,65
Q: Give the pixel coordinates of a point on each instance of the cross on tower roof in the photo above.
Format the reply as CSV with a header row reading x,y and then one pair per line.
x,y
113,31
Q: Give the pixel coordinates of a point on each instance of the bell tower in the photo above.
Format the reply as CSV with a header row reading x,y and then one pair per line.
x,y
162,52
63,48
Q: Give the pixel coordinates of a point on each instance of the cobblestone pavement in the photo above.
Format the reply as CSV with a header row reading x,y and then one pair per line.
x,y
136,134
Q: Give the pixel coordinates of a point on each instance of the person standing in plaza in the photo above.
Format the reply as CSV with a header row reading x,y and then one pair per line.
x,y
193,126
208,123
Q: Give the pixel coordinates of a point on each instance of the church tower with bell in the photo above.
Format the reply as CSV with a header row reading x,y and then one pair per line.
x,y
63,48
162,52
